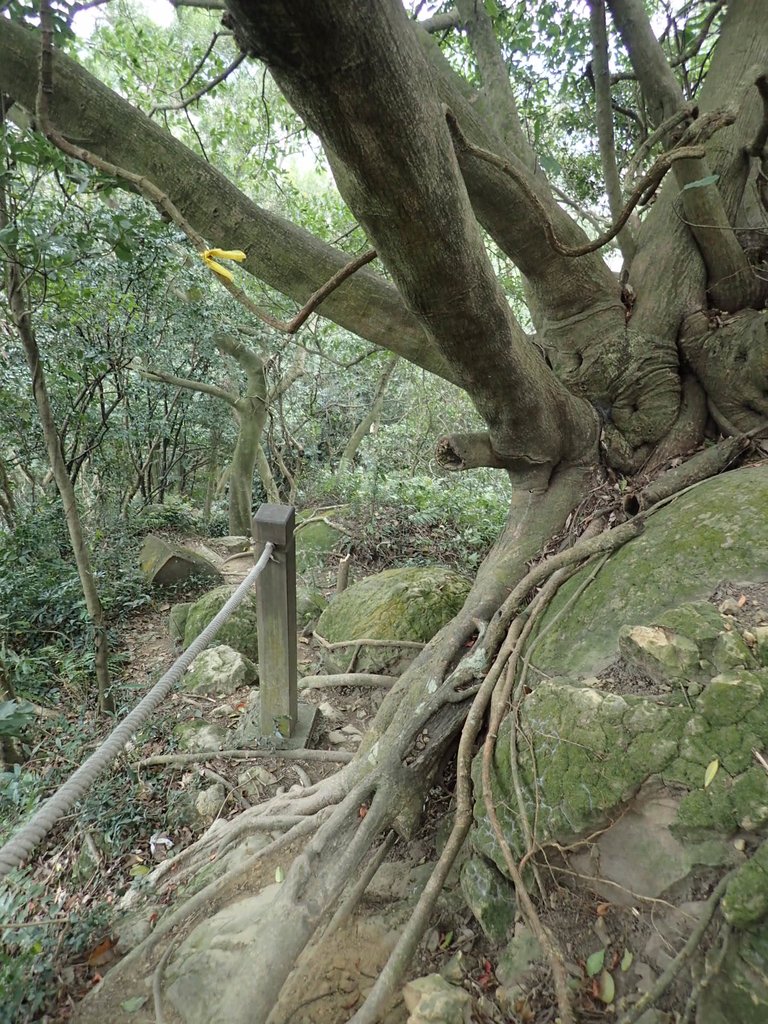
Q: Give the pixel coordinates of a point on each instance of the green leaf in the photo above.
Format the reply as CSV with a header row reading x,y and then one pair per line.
x,y
607,990
711,772
701,182
549,164
279,874
595,963
133,1004
626,960
139,870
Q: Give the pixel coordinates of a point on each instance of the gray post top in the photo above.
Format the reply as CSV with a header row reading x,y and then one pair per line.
x,y
274,523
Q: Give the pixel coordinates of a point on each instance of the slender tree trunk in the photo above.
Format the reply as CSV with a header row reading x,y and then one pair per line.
x,y
364,426
18,301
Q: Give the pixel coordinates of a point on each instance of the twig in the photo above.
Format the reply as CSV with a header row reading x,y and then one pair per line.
x,y
208,87
347,679
641,194
341,756
209,773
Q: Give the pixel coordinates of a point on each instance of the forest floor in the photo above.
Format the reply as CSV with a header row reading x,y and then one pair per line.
x,y
334,977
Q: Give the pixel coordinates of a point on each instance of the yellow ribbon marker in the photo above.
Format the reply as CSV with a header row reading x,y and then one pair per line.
x,y
209,257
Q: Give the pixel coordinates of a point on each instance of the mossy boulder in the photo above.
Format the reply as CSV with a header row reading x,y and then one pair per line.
x,y
310,605
410,603
718,531
166,564
491,898
177,620
740,989
315,541
239,632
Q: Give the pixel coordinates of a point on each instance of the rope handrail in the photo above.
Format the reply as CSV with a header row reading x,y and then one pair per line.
x,y
18,848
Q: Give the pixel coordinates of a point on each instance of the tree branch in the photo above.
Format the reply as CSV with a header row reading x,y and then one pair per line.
x,y
495,78
208,87
662,93
604,121
281,254
337,63
161,377
644,189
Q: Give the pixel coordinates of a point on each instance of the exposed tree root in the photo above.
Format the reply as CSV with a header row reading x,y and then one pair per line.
x,y
665,979
341,756
367,679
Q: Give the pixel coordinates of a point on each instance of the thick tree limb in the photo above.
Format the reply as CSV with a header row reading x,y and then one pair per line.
x,y
466,451
281,254
604,121
360,80
501,102
662,93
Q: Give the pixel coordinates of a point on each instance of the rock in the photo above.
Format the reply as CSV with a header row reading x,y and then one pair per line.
x,y
253,782
730,606
199,735
593,752
211,973
520,955
746,897
166,564
730,652
134,927
411,603
310,605
177,620
433,999
490,896
210,801
219,670
239,632
233,545
761,644
704,537
659,652
739,992
314,542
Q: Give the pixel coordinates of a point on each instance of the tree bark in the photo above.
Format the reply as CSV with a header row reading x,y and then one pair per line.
x,y
360,79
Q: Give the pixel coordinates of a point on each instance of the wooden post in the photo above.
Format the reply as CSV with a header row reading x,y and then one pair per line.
x,y
276,621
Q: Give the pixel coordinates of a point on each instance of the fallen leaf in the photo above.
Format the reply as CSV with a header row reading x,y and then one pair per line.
x,y
607,991
101,954
279,874
626,960
133,1004
595,962
711,772
742,600
602,909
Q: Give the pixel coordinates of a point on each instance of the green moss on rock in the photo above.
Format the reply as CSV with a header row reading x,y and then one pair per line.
x,y
239,632
591,752
746,898
717,531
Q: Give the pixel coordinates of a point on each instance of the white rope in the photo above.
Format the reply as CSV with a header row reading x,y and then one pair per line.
x,y
18,848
